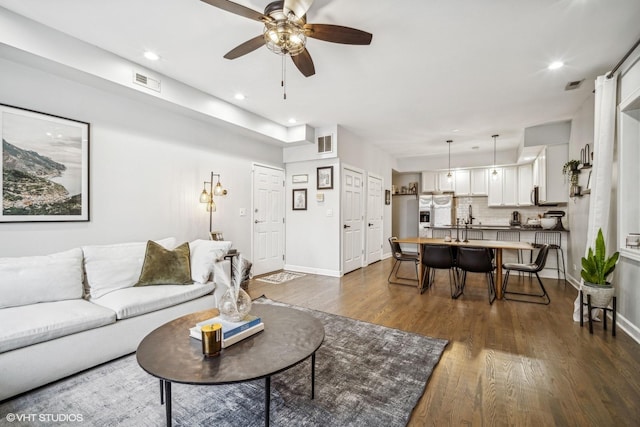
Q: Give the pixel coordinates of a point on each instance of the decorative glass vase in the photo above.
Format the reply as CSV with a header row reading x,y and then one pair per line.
x,y
234,311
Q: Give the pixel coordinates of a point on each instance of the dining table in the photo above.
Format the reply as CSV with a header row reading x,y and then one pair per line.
x,y
497,245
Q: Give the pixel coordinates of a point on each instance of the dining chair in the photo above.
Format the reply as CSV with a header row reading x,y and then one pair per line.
x,y
554,240
534,267
438,257
400,257
510,236
475,260
474,234
441,232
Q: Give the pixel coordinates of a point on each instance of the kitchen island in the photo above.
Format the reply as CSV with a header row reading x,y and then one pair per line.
x,y
527,234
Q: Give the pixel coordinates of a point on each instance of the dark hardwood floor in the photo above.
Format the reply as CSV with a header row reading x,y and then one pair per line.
x,y
510,363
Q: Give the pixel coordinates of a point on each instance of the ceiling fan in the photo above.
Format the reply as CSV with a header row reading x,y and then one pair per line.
x,y
286,31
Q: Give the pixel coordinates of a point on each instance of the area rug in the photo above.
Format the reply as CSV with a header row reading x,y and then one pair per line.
x,y
366,375
281,277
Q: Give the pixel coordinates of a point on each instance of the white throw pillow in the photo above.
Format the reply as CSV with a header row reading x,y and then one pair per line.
x,y
204,253
113,267
48,278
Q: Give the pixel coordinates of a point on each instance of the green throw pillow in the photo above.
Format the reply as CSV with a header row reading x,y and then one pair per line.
x,y
164,267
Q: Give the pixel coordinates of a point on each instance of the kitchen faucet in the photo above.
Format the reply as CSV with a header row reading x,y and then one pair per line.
x,y
470,216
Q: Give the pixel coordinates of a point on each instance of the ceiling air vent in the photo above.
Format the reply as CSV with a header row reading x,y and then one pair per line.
x,y
146,81
573,85
325,144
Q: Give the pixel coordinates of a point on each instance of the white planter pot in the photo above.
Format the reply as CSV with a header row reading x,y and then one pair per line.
x,y
601,296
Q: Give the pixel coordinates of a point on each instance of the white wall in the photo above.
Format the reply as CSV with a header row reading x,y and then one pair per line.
x,y
578,207
354,152
313,235
147,167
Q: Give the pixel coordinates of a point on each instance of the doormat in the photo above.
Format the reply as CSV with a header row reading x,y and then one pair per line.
x,y
280,277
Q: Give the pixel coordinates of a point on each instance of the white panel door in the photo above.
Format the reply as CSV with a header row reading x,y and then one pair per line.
x,y
268,220
352,218
374,219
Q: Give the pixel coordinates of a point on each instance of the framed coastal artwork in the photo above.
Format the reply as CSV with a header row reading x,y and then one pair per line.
x,y
44,168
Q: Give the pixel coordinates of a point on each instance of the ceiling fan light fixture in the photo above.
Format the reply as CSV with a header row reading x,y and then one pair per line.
x,y
285,37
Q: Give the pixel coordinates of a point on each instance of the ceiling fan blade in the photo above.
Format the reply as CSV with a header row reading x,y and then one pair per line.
x,y
246,47
238,9
298,7
304,63
337,34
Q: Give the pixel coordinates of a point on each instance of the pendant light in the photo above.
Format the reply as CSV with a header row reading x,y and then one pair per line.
x,y
494,173
449,175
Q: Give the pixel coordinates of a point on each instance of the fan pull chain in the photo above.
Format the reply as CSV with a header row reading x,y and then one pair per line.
x,y
283,82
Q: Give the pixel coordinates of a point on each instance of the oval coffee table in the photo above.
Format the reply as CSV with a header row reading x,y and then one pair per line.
x,y
290,336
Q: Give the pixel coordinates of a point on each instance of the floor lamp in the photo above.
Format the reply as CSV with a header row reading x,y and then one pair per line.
x,y
207,196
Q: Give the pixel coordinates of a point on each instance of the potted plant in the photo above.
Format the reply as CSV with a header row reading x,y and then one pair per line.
x,y
571,170
595,269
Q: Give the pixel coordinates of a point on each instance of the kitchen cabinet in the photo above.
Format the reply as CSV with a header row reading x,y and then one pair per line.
x,y
463,182
552,185
503,187
479,184
437,181
445,184
429,181
525,184
469,182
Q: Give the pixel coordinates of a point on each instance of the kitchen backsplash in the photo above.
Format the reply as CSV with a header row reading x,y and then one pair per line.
x,y
483,214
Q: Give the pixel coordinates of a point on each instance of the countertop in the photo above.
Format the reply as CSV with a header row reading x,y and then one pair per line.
x,y
499,227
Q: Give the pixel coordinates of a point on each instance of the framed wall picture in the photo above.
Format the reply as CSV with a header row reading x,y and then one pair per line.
x,y
44,167
325,178
300,199
300,179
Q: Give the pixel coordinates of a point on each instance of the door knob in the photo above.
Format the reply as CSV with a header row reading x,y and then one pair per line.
x,y
370,224
258,222
346,226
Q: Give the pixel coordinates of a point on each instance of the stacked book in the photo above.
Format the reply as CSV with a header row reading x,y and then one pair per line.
x,y
232,332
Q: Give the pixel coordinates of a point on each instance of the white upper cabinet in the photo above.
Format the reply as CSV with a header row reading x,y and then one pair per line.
x,y
525,184
547,174
429,181
463,182
479,184
503,187
495,188
510,186
445,184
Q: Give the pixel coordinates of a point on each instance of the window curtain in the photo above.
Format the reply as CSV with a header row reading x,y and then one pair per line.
x,y
601,172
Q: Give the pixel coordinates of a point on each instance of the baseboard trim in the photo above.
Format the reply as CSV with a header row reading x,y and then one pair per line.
x,y
310,270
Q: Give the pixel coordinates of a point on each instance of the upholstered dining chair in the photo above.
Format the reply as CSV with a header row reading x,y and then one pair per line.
x,y
400,257
438,257
533,267
475,260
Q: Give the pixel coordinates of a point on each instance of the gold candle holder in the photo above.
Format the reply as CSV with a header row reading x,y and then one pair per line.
x,y
211,339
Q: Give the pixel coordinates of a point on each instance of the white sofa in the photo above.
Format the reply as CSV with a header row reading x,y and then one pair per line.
x,y
66,312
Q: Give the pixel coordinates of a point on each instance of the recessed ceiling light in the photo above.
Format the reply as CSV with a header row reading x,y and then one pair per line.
x,y
455,130
555,65
151,56
292,120
239,96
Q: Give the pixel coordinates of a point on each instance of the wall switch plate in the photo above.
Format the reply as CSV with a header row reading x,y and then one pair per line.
x,y
243,212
